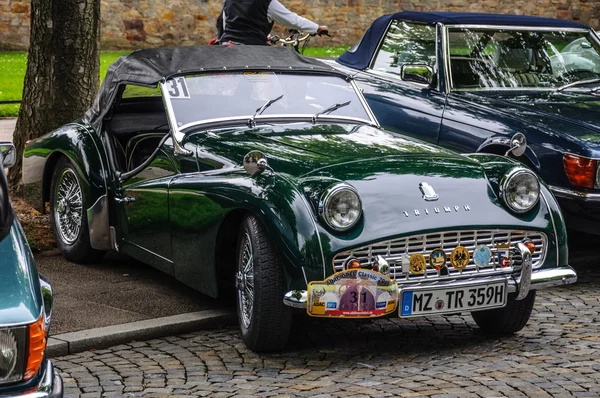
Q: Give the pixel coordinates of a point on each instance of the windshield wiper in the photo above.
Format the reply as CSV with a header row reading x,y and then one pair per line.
x,y
329,110
260,110
579,83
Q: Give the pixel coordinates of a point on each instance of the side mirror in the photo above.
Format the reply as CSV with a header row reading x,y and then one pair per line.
x,y
9,154
255,163
417,73
518,145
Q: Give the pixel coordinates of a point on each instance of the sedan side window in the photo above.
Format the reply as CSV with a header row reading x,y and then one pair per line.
x,y
406,43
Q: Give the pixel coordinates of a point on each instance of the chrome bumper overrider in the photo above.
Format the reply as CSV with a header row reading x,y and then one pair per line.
x,y
50,386
527,280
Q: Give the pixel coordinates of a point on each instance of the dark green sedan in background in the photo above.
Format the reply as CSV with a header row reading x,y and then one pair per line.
x,y
255,172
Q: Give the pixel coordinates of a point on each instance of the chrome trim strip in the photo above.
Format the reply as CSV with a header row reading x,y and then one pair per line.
x,y
540,279
518,27
572,194
285,118
363,101
99,224
524,280
175,129
553,226
446,60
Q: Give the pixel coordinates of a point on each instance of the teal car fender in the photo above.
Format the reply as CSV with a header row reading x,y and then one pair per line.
x,y
86,151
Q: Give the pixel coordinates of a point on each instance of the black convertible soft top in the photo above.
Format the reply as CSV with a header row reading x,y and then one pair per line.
x,y
148,67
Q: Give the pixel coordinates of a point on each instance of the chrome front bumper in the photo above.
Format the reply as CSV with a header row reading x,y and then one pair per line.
x,y
49,386
527,280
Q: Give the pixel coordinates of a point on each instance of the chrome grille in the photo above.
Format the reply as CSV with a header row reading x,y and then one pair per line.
x,y
393,250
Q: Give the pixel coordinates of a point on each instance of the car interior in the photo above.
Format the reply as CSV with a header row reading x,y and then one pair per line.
x,y
135,127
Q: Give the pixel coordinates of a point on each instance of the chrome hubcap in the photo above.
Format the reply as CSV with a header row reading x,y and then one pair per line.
x,y
244,282
68,207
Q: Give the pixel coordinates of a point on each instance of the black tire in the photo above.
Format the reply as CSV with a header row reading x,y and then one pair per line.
x,y
507,320
267,325
78,248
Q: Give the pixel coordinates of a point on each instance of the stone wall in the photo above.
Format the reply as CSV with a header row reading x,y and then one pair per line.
x,y
130,24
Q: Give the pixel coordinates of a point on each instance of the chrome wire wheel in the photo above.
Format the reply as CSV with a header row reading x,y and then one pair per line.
x,y
245,282
68,207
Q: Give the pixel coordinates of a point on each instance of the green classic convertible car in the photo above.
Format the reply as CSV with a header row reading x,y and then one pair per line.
x,y
256,172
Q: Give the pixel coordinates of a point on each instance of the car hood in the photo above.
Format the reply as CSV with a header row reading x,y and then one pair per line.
x,y
387,170
20,295
569,114
301,149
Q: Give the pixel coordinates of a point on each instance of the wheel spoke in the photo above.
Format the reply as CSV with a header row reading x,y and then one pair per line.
x,y
69,200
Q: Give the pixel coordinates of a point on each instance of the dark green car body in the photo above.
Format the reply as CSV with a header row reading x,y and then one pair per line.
x,y
180,209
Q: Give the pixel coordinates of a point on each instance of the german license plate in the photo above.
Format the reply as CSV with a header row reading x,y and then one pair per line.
x,y
423,301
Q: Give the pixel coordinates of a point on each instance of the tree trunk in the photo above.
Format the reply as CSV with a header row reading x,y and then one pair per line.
x,y
35,113
62,70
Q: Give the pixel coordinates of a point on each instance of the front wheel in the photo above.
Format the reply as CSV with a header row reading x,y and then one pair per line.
x,y
508,320
260,285
68,215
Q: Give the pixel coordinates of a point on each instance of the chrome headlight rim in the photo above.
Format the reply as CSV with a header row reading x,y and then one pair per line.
x,y
597,184
329,194
507,179
18,336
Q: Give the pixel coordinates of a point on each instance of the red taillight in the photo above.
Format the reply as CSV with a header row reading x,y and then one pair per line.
x,y
27,142
580,171
37,346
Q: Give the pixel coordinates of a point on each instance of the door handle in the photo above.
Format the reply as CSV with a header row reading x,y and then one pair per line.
x,y
125,199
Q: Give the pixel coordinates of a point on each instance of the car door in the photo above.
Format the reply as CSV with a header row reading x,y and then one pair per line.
x,y
400,105
143,202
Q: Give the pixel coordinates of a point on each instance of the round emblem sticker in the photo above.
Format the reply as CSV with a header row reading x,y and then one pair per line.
x,y
417,264
459,258
437,259
482,255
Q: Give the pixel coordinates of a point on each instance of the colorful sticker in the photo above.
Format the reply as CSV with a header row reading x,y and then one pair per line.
x,y
418,264
353,294
503,255
482,255
437,259
460,258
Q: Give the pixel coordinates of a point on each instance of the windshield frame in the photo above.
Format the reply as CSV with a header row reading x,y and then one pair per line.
x,y
446,61
179,132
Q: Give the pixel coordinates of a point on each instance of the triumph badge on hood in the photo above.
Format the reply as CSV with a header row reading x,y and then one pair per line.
x,y
428,192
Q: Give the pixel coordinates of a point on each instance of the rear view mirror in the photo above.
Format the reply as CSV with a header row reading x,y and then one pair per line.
x,y
417,73
9,154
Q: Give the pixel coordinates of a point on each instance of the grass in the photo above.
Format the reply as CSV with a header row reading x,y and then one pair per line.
x,y
14,64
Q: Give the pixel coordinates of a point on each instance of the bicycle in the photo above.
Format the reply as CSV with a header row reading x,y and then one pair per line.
x,y
295,39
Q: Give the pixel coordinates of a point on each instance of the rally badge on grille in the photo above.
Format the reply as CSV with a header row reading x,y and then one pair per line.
x,y
437,259
418,264
503,254
460,258
482,255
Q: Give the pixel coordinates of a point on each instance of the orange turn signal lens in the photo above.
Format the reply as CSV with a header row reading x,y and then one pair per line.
x,y
37,345
530,245
580,171
353,264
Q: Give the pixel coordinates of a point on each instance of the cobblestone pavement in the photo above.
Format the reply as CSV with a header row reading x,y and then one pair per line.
x,y
557,354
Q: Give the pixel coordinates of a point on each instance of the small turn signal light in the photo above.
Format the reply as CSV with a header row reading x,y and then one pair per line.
x,y
530,245
353,264
37,346
580,171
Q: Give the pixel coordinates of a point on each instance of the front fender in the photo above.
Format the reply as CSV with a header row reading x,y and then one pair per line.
x,y
85,151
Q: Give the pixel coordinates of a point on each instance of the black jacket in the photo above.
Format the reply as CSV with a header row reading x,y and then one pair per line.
x,y
246,22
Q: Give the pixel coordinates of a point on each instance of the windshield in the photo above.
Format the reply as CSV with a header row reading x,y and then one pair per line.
x,y
207,97
509,59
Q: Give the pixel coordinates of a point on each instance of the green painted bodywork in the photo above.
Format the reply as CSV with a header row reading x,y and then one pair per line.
x,y
183,203
21,301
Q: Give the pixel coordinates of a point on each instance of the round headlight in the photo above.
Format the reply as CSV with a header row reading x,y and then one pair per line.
x,y
8,353
520,190
340,207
